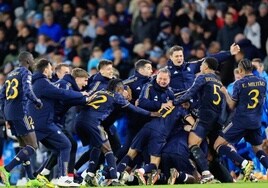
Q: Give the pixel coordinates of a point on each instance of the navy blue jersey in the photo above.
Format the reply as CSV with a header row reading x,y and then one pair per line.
x,y
182,77
249,94
177,143
61,107
166,123
103,104
16,92
135,83
49,94
97,83
152,96
207,87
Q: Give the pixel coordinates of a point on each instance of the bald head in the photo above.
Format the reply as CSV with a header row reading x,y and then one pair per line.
x,y
26,59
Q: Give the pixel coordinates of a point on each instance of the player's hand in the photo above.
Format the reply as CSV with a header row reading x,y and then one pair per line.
x,y
234,49
7,125
137,102
167,106
38,104
224,90
187,128
155,114
84,93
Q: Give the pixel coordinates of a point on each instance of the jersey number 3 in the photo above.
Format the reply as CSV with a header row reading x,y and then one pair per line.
x,y
12,88
216,89
255,100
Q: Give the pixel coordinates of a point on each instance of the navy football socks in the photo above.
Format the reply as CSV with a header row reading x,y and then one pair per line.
x,y
123,163
230,153
110,159
23,155
148,168
199,158
94,159
262,156
28,169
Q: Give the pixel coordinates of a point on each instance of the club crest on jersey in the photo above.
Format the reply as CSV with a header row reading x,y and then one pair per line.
x,y
138,88
156,98
176,72
188,69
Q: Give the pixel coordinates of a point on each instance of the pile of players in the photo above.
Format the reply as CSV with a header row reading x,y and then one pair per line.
x,y
179,121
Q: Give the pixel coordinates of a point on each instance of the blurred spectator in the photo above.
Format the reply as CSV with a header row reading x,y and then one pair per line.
x,y
80,13
94,59
51,29
85,50
186,41
114,45
262,20
210,21
73,26
124,19
186,13
139,51
41,45
88,28
102,39
30,47
102,17
10,29
113,27
227,33
243,13
69,50
250,51
12,54
146,23
166,14
65,15
252,30
165,38
3,45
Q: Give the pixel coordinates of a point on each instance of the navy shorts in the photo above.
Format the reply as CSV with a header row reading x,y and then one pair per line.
x,y
21,127
91,134
233,134
206,124
151,139
172,160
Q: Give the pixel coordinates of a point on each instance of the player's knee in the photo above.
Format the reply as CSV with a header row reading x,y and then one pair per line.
x,y
106,147
132,153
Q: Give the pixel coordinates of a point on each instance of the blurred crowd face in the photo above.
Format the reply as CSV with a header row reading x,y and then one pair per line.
x,y
229,20
145,12
107,71
163,79
177,58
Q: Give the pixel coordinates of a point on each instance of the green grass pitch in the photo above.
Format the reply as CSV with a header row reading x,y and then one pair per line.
x,y
263,184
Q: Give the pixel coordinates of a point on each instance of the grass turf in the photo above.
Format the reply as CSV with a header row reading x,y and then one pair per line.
x,y
263,184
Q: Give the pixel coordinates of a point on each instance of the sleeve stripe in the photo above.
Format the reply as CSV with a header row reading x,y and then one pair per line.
x,y
96,86
147,91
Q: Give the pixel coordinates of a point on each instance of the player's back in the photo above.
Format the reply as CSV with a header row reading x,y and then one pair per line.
x,y
14,94
100,106
210,96
249,93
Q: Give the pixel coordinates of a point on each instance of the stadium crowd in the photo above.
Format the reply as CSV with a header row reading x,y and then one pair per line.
x,y
116,92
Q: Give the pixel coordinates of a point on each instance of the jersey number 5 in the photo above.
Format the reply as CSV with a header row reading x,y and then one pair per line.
x,y
12,88
97,101
216,89
255,100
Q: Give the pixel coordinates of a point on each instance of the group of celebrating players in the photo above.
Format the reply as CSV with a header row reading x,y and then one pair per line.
x,y
179,121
